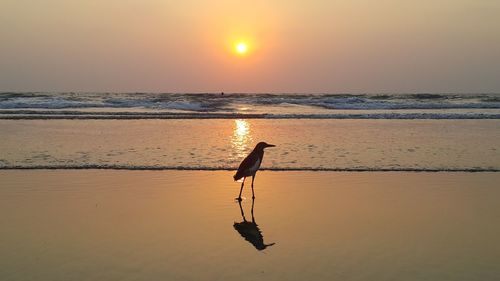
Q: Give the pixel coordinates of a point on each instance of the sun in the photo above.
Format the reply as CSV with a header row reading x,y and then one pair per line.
x,y
241,48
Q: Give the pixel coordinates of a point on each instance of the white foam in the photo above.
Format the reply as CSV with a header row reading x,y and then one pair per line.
x,y
229,102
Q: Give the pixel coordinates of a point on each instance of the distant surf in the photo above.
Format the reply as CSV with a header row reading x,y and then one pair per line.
x,y
39,105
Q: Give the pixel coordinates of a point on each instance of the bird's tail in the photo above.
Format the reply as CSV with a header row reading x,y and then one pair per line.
x,y
237,177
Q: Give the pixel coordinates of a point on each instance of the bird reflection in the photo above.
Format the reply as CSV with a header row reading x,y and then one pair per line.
x,y
250,230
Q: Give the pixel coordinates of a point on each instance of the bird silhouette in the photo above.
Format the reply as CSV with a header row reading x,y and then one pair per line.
x,y
250,165
250,231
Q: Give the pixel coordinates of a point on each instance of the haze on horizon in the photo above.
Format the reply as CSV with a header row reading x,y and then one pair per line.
x,y
295,46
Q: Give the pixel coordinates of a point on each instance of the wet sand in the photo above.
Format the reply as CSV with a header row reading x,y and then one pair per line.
x,y
185,225
301,144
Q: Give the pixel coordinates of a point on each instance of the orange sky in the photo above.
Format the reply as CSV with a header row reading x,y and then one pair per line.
x,y
294,46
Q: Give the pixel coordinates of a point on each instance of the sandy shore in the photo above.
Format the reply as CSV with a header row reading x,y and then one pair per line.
x,y
372,145
185,225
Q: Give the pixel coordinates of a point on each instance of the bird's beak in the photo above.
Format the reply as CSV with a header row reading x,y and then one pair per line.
x,y
270,145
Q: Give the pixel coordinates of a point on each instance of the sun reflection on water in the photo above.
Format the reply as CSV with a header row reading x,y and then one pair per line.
x,y
241,139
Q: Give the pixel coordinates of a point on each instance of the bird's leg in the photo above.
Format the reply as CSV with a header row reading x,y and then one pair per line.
x,y
253,194
241,189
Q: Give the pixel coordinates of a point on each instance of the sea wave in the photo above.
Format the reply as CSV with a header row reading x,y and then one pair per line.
x,y
223,168
210,102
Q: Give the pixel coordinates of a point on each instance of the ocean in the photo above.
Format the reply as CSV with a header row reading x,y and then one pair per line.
x,y
34,105
211,131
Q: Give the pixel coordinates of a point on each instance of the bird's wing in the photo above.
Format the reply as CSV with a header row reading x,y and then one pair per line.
x,y
248,162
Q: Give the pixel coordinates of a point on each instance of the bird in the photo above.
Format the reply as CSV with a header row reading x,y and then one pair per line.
x,y
250,165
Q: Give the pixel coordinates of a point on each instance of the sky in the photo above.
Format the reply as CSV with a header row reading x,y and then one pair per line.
x,y
317,46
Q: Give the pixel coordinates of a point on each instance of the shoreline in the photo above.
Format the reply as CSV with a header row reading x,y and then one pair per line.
x,y
306,169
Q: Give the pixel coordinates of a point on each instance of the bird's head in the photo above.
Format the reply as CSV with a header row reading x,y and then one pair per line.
x,y
261,145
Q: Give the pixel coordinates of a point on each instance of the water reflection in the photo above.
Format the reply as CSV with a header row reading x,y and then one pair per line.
x,y
250,231
241,138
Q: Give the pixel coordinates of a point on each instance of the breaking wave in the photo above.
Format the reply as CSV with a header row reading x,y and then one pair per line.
x,y
227,102
236,105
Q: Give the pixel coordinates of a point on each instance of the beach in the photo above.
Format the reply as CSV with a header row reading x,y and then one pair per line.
x,y
368,132
179,225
